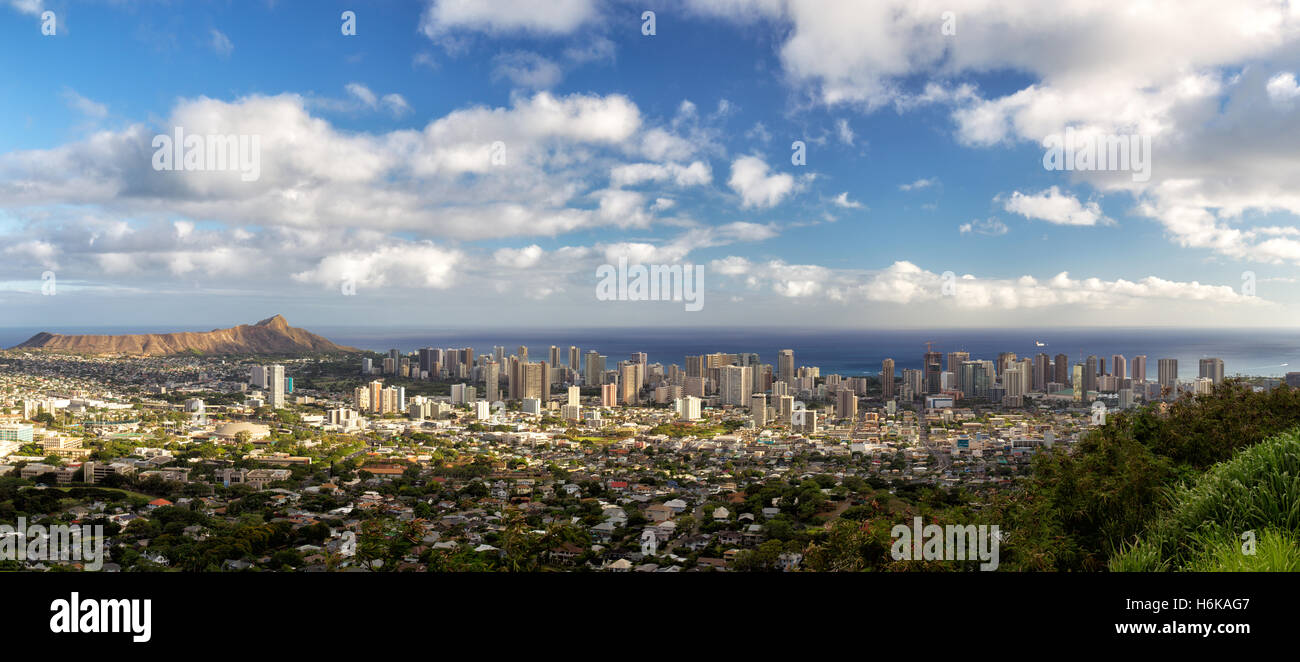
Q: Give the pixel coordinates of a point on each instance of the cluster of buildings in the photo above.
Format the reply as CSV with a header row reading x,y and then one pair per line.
x,y
1011,380
571,429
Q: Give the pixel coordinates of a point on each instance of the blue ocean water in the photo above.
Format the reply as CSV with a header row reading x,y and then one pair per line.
x,y
1256,352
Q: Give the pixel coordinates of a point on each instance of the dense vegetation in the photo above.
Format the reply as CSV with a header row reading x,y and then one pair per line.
x,y
1082,508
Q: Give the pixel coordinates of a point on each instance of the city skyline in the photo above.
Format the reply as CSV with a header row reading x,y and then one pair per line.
x,y
485,159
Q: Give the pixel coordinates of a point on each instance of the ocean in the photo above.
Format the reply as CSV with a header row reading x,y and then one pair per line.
x,y
1253,352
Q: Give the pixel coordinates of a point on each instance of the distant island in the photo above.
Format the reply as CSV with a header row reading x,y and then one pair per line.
x,y
269,336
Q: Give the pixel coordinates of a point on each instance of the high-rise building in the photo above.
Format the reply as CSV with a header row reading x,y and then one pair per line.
x,y
933,368
758,409
530,381
1118,366
785,365
375,397
785,407
1138,373
1212,369
629,382
595,370
695,366
736,385
1167,373
609,395
977,378
555,356
1062,366
1042,372
955,359
492,381
1013,382
887,379
575,359
275,375
694,386
257,376
1090,375
846,404
913,383
1005,361
1077,381
688,408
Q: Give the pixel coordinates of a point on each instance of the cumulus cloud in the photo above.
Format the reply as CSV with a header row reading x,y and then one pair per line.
x,y
1205,88
442,180
757,186
905,283
518,258
1056,208
420,264
1282,88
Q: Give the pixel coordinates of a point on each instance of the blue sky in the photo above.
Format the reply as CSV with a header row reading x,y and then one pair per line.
x,y
924,155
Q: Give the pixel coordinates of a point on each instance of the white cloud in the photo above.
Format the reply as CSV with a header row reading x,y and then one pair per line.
x,y
905,283
757,188
221,44
553,17
991,227
421,264
1056,208
697,173
362,94
42,253
597,49
83,105
32,7
1282,88
439,181
842,200
917,185
518,258
395,103
527,70
844,131
1202,79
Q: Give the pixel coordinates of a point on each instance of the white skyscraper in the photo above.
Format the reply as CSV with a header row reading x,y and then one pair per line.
x,y
736,385
688,408
275,377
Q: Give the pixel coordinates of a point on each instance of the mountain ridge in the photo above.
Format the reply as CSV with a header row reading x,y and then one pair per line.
x,y
272,335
